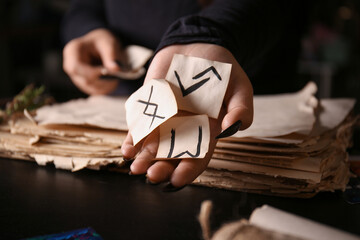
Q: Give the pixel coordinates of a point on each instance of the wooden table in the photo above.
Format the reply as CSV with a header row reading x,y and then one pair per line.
x,y
37,200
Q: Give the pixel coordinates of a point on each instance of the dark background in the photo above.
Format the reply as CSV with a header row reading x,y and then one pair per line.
x,y
31,51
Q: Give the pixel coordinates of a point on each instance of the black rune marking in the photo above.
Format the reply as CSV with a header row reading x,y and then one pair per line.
x,y
197,85
192,88
148,103
172,146
206,71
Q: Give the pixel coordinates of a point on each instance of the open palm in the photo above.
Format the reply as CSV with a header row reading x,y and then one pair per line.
x,y
237,105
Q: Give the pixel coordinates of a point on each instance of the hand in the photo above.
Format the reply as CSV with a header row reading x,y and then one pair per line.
x,y
237,105
86,57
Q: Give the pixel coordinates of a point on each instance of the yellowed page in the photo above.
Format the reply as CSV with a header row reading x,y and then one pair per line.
x,y
69,133
100,111
277,115
310,177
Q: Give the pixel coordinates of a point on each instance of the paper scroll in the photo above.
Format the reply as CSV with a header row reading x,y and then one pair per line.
x,y
287,223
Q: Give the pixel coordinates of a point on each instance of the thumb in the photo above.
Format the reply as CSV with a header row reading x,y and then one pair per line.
x,y
239,102
160,64
109,54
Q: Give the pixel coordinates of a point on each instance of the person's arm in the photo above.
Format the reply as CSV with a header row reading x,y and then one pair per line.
x,y
82,17
91,48
247,28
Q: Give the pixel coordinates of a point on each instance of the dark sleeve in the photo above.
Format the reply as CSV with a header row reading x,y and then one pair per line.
x,y
247,28
82,17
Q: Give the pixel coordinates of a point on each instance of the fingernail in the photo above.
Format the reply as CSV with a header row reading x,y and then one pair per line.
x,y
104,71
170,188
230,130
136,174
113,64
128,159
127,163
148,181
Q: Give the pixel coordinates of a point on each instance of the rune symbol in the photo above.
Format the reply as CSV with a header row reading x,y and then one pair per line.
x,y
154,105
194,87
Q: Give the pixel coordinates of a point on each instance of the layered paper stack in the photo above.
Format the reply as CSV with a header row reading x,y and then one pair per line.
x,y
83,133
295,147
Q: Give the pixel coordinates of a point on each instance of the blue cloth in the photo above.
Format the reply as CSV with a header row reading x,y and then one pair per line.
x,y
78,234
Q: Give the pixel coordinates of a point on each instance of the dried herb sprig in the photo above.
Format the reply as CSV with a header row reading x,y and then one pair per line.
x,y
29,98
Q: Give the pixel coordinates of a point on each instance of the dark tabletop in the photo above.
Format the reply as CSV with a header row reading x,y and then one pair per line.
x,y
37,200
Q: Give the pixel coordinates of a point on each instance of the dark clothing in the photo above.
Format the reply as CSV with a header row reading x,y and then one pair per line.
x,y
262,35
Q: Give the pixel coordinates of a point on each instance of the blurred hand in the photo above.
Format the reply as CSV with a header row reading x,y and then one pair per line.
x,y
237,105
87,57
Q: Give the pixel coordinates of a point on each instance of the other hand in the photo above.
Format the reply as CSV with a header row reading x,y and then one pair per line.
x,y
86,58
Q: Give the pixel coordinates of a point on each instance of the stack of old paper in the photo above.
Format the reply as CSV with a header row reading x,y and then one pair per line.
x,y
84,133
295,147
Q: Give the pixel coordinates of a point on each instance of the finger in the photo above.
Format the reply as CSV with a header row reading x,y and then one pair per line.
x,y
187,171
71,56
105,87
128,149
83,84
160,65
109,52
238,111
94,87
239,102
147,154
76,60
89,72
161,171
78,70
